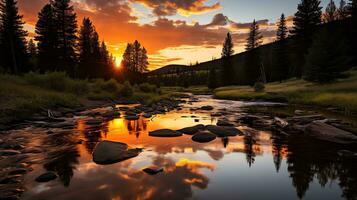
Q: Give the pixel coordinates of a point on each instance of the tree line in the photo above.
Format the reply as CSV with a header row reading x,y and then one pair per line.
x,y
59,44
319,53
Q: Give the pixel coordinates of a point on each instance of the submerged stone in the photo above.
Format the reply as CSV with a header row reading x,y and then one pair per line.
x,y
203,137
322,131
151,171
208,108
224,131
48,176
107,152
165,133
224,123
192,130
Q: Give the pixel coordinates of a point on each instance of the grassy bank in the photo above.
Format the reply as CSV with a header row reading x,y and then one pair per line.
x,y
22,96
342,94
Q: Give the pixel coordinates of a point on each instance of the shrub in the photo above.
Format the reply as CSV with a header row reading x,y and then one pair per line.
x,y
259,87
126,90
147,88
50,80
110,86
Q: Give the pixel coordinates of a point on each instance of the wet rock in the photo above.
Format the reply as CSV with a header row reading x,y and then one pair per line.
x,y
322,131
152,171
107,152
61,125
111,114
192,130
147,115
280,122
203,137
132,117
299,112
46,177
224,123
9,152
207,108
221,131
216,114
94,122
248,119
11,179
165,133
17,171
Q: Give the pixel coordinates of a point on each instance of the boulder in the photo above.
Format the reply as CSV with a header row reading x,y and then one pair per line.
x,y
224,123
147,115
152,171
223,131
248,119
203,137
108,152
48,176
208,108
192,130
322,131
165,133
111,114
132,117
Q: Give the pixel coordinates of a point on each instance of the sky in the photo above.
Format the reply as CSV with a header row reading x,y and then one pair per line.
x,y
174,31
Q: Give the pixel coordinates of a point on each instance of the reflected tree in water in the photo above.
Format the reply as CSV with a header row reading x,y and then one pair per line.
x,y
249,142
62,155
135,127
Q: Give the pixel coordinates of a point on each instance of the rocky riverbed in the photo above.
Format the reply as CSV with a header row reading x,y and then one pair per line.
x,y
188,134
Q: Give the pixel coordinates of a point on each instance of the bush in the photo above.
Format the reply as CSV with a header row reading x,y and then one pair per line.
x,y
49,80
126,90
147,88
259,87
110,86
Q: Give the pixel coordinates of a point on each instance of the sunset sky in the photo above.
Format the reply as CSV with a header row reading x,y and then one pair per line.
x,y
174,31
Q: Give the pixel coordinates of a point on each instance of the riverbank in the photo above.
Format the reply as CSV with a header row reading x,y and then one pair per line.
x,y
33,94
341,95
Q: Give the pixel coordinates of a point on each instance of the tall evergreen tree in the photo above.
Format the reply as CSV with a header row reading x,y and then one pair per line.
x,y
47,39
342,12
330,14
66,24
282,32
253,63
144,63
280,53
305,20
135,59
353,9
13,53
227,72
32,52
254,39
327,58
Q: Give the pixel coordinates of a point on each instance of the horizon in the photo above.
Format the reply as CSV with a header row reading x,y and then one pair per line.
x,y
173,33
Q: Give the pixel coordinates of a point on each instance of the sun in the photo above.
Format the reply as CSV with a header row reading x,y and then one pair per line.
x,y
118,60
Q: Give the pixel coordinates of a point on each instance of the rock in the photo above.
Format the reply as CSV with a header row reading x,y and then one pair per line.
x,y
224,123
61,125
147,115
151,171
12,179
346,153
94,122
132,117
208,108
46,177
111,114
216,114
107,152
299,112
280,122
18,171
248,119
221,131
322,131
203,137
192,130
165,133
9,152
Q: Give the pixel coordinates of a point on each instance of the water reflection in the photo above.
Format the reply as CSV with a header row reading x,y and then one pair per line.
x,y
194,170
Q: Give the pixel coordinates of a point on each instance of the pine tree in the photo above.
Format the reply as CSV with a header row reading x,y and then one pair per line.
x,y
280,53
353,9
305,20
342,12
253,61
227,72
135,59
46,37
13,53
327,58
330,14
282,32
32,52
66,24
144,63
255,38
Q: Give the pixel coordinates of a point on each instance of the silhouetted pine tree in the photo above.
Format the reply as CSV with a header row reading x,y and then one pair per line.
x,y
253,62
353,8
46,37
306,19
32,52
212,79
342,12
13,53
66,24
327,58
227,73
144,63
353,13
280,53
89,51
330,14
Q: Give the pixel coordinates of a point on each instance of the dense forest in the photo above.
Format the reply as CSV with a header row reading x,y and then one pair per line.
x,y
319,47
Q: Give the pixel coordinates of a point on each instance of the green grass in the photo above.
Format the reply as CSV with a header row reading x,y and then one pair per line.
x,y
341,94
22,96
